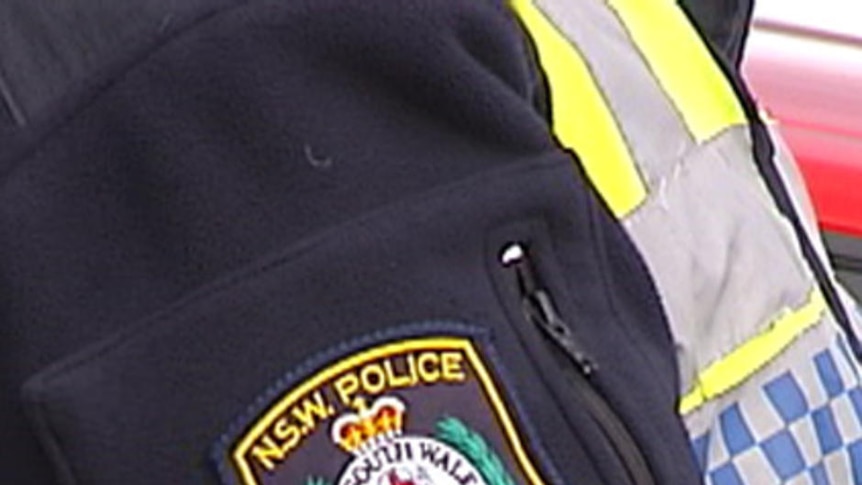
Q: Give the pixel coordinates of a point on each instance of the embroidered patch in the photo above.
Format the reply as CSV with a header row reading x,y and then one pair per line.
x,y
413,412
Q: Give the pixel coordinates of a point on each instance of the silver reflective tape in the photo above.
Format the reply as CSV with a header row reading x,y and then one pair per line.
x,y
726,263
650,124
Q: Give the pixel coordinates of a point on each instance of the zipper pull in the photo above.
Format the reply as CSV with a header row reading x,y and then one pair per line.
x,y
539,308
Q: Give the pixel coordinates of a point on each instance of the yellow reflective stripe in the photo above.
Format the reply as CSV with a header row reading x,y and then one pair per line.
x,y
682,64
721,376
582,120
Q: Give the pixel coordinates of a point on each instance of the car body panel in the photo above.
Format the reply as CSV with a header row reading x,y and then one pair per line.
x,y
805,67
803,62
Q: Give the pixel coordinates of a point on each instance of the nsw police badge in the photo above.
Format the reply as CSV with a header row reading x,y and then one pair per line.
x,y
423,411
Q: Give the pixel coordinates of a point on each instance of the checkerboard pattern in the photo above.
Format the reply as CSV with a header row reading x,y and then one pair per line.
x,y
804,427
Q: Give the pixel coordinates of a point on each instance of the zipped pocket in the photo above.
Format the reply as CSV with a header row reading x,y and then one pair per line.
x,y
540,313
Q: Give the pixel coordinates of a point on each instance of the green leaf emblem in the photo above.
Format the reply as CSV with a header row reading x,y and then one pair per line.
x,y
473,446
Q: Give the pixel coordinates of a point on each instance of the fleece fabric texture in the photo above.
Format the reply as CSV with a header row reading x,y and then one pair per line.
x,y
273,178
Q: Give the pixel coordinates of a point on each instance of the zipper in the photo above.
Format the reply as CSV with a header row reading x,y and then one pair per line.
x,y
539,309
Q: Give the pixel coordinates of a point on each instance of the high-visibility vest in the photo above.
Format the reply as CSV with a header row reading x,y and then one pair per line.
x,y
770,388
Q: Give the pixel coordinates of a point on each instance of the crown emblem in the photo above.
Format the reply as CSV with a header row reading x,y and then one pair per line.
x,y
359,432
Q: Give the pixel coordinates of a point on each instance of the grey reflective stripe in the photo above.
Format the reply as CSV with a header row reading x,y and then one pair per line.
x,y
629,87
724,261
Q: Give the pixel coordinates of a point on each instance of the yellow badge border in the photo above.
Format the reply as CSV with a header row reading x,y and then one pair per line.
x,y
381,351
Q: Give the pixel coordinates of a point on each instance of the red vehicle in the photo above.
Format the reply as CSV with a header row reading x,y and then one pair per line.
x,y
804,64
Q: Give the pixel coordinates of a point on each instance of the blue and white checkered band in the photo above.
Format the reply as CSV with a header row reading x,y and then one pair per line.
x,y
804,427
